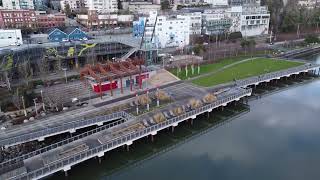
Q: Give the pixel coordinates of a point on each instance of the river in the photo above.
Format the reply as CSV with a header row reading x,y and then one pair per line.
x,y
278,139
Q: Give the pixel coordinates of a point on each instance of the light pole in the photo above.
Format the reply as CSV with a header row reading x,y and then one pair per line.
x,y
65,74
137,106
148,106
43,106
158,102
35,105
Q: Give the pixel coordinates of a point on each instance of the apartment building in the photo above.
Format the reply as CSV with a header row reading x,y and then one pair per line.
x,y
16,4
102,6
30,19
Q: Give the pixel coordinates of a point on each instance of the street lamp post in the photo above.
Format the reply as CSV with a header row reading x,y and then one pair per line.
x,y
43,106
65,74
158,101
35,105
148,105
137,106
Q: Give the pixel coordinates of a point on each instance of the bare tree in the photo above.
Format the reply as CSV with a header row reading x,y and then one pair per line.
x,y
43,70
25,71
16,100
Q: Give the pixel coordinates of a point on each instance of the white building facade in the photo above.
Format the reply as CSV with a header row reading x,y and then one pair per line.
x,y
172,31
102,6
74,4
195,22
166,31
255,20
217,2
10,37
143,7
216,21
308,3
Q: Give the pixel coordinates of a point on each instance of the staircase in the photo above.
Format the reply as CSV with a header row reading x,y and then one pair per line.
x,y
128,54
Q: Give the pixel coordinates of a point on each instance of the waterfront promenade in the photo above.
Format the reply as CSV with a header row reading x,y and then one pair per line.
x,y
125,133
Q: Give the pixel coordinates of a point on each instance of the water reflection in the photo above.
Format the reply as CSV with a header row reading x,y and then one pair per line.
x,y
278,139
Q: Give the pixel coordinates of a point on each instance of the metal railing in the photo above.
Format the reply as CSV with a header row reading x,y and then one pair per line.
x,y
114,143
60,143
274,75
60,129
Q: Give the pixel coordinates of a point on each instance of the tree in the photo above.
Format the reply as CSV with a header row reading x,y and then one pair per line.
x,y
67,10
276,9
198,49
25,71
312,39
165,5
43,70
245,43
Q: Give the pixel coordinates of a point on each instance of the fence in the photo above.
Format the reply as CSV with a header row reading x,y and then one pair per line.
x,y
77,158
6,164
61,128
274,75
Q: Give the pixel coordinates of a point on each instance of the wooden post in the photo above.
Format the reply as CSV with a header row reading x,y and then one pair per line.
x,y
172,129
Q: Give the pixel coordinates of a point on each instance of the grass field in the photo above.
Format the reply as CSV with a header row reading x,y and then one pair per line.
x,y
206,68
244,70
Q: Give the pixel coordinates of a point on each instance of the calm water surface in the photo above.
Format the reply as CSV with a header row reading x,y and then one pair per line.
x,y
278,139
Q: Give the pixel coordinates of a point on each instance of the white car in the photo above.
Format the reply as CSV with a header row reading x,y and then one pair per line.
x,y
15,44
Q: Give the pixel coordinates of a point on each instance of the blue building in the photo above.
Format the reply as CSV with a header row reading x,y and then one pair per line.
x,y
56,35
138,27
68,34
75,34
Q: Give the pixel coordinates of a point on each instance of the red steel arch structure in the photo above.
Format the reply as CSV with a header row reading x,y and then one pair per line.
x,y
113,70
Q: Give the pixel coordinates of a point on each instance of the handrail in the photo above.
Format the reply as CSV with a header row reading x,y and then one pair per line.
x,y
60,143
268,76
63,127
127,137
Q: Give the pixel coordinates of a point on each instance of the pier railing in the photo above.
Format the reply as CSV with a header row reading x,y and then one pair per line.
x,y
114,143
274,75
64,127
8,163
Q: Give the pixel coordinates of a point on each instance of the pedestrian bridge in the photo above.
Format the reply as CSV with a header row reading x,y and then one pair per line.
x,y
277,75
70,126
96,145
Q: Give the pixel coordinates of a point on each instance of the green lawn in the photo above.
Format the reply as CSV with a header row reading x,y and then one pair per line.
x,y
244,70
206,68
